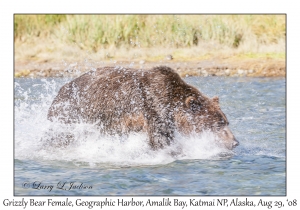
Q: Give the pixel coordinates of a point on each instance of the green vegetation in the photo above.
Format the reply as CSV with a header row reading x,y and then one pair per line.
x,y
253,42
93,32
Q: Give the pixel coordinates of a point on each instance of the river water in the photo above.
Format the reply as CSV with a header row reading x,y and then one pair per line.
x,y
107,165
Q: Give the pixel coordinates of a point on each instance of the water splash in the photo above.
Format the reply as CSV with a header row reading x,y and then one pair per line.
x,y
33,132
38,138
48,141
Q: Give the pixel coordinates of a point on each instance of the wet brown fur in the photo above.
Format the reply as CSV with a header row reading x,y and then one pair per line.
x,y
156,101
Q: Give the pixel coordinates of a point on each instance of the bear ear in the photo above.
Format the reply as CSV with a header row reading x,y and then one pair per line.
x,y
191,103
215,99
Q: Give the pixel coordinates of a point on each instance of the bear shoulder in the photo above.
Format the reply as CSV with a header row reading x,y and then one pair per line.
x,y
168,75
165,70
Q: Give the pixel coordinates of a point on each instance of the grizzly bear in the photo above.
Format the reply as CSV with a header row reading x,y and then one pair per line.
x,y
156,101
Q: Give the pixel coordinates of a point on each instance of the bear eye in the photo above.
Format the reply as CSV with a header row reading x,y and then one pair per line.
x,y
195,107
192,103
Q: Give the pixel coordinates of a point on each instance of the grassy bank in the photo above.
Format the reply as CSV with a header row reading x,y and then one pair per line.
x,y
69,38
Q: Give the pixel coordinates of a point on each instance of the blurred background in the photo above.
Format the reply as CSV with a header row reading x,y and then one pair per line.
x,y
240,58
202,45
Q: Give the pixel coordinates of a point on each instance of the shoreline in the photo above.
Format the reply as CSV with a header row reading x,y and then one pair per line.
x,y
266,67
193,45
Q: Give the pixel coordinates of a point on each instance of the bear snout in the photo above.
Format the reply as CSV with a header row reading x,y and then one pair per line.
x,y
228,138
232,144
235,143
